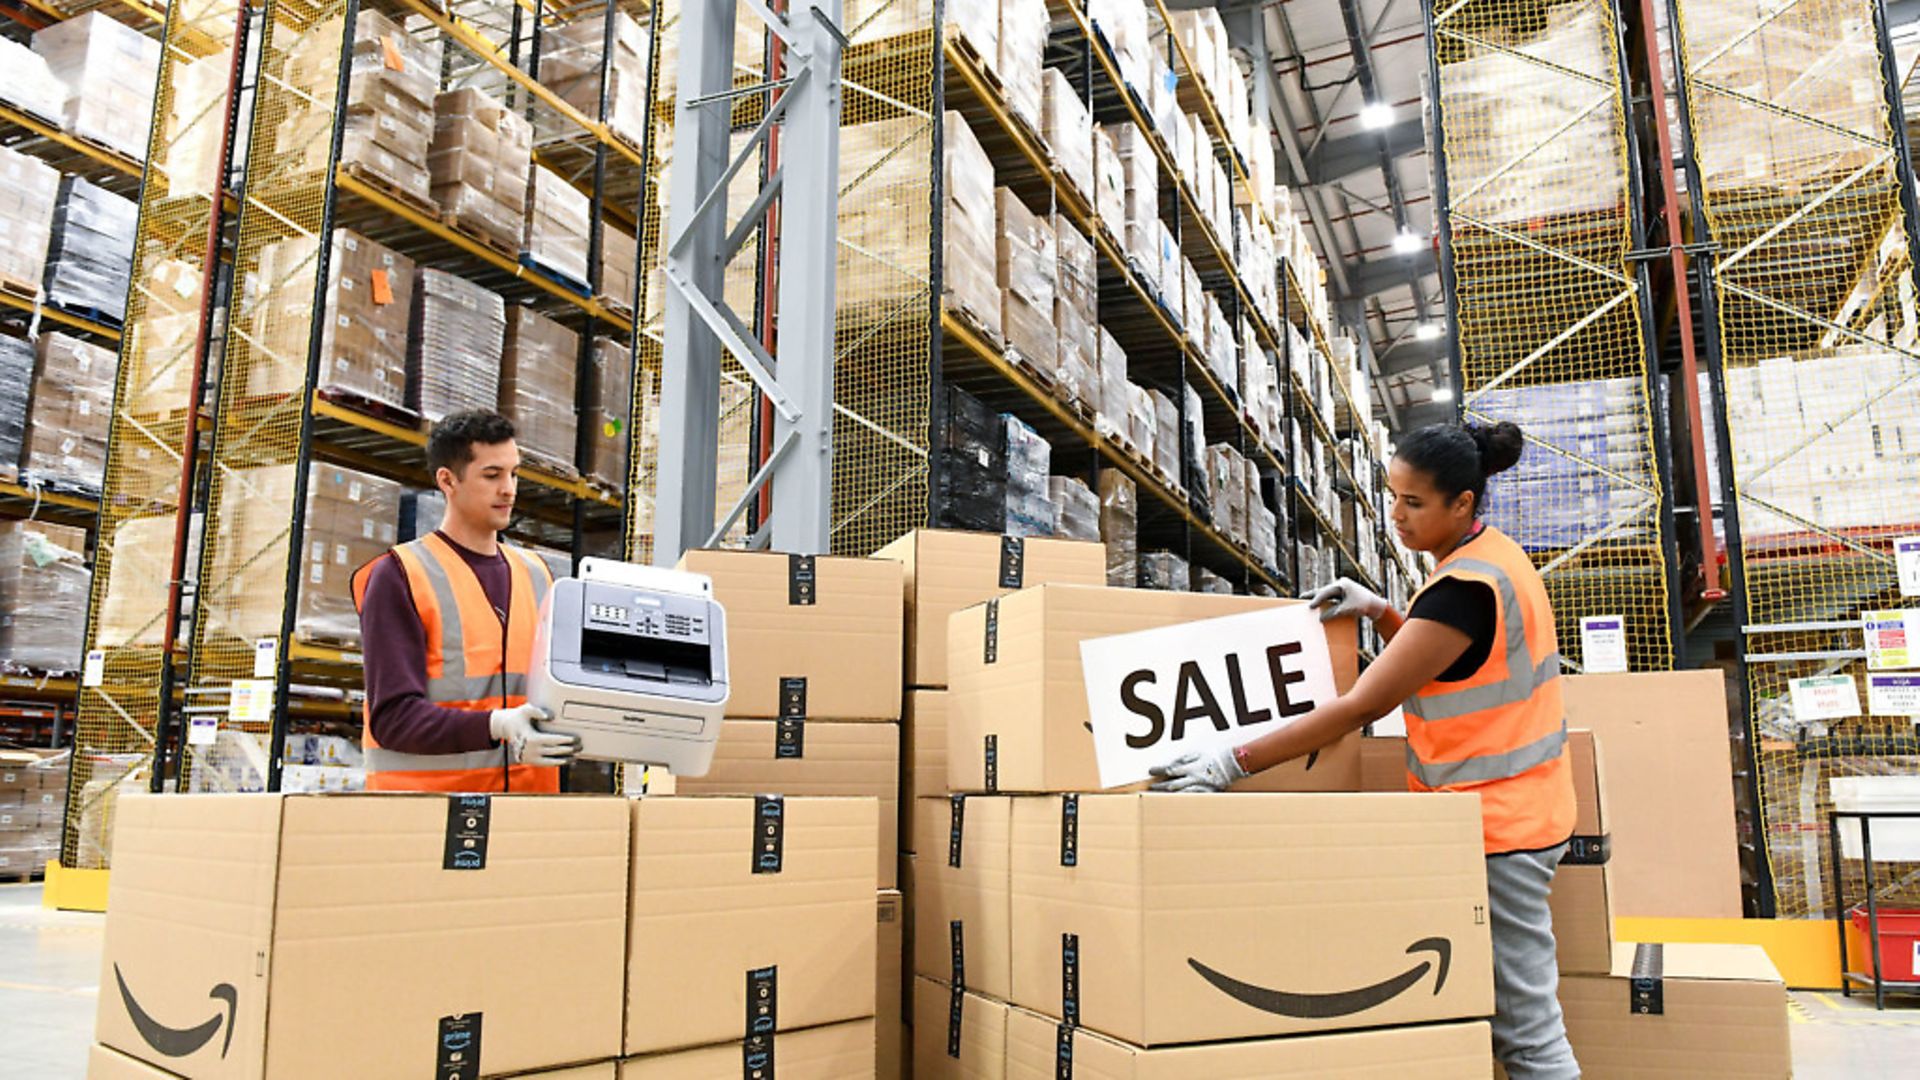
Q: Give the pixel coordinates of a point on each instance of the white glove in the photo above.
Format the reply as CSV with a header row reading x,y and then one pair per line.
x,y
1347,597
1206,770
526,744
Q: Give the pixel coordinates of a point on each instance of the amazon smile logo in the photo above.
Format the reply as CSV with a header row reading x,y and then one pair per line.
x,y
180,1042
1341,1002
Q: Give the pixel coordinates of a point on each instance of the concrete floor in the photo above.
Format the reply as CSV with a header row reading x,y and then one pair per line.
x,y
50,974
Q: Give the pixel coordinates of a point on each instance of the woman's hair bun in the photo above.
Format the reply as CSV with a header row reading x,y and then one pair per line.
x,y
1500,445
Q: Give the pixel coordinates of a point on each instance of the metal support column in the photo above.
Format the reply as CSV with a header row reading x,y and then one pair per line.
x,y
797,377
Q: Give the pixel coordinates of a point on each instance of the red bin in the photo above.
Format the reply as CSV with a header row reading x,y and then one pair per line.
x,y
1899,944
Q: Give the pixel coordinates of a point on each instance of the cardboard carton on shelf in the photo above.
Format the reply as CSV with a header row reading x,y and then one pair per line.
x,y
90,257
479,161
1023,45
69,415
734,895
825,627
619,256
968,228
842,1051
1109,183
801,757
45,582
957,1034
1030,699
559,221
453,361
1037,1047
945,571
109,69
537,388
1119,527
1148,918
1025,268
29,190
364,325
1076,302
349,896
572,57
1721,1012
1068,129
962,891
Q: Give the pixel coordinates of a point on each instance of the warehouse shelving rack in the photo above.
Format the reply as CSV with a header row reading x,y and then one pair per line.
x,y
491,44
1798,259
1556,300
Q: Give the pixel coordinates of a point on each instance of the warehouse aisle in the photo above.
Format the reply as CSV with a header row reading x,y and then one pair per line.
x,y
50,972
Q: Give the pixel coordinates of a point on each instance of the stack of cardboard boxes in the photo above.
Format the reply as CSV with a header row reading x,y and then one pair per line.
x,y
44,582
537,388
16,392
1076,307
944,572
90,256
573,56
968,228
70,412
33,802
607,410
363,329
28,190
1024,268
109,69
390,103
677,934
559,219
815,646
1068,129
478,164
459,329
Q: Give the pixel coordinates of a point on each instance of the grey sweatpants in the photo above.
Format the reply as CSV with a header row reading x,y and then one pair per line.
x,y
1529,1035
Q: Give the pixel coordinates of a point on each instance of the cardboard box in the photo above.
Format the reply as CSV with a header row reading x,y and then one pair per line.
x,y
1722,1013
1462,1051
1030,700
1671,812
962,875
923,756
892,1046
1163,919
1383,763
812,757
946,571
957,1036
833,622
357,903
710,908
1582,896
106,1063
832,1052
537,390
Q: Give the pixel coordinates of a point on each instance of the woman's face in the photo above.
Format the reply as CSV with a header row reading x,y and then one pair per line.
x,y
1424,517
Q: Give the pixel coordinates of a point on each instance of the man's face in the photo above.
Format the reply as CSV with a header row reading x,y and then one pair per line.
x,y
483,491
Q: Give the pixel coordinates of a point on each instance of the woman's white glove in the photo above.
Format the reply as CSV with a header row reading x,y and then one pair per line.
x,y
526,744
1347,597
1206,770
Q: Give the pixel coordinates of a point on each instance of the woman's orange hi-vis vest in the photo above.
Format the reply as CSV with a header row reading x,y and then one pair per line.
x,y
1501,733
473,662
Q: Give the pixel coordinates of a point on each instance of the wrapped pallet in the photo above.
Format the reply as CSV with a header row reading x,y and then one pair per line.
x,y
1029,461
44,583
91,255
1076,509
1166,435
619,259
458,331
571,62
1023,46
109,69
1110,415
29,192
559,224
537,388
1165,571
390,103
1068,128
1024,268
608,410
161,345
1193,467
66,444
970,485
1076,305
132,612
977,26
351,518
1143,422
1120,527
1109,183
363,328
1138,225
968,228
16,392
478,164
193,133
27,84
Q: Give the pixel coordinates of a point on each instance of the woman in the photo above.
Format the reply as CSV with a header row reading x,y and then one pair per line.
x,y
1475,663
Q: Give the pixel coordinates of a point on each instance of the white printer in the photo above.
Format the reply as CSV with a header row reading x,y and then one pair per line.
x,y
632,660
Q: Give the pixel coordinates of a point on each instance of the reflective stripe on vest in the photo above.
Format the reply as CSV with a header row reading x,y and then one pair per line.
x,y
1523,675
381,759
1488,767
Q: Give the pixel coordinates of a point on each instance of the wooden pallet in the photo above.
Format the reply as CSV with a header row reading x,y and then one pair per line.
x,y
961,44
379,183
373,407
966,316
471,230
25,290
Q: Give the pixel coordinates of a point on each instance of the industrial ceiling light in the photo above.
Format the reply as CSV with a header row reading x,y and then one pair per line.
x,y
1442,394
1406,242
1375,115
1427,331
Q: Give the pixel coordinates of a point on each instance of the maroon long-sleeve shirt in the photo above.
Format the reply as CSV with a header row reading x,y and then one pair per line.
x,y
395,647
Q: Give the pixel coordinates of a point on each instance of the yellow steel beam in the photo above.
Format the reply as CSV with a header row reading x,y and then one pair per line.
x,y
105,157
49,498
76,322
347,182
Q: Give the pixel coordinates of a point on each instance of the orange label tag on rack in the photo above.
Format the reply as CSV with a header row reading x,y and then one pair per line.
x,y
382,290
395,62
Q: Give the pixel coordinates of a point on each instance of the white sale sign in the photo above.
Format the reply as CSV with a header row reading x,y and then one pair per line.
x,y
1157,694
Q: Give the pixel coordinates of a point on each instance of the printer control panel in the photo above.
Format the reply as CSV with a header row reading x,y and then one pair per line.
x,y
611,608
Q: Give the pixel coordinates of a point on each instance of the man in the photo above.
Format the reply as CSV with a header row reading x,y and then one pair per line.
x,y
446,626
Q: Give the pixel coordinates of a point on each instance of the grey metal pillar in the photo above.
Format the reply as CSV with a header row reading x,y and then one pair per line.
x,y
797,377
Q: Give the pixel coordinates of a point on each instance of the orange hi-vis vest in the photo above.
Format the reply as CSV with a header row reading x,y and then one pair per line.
x,y
473,662
1502,732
